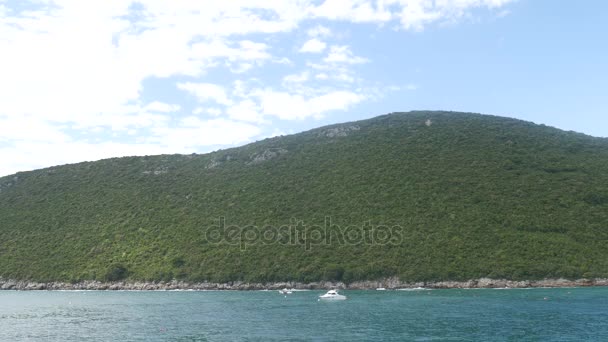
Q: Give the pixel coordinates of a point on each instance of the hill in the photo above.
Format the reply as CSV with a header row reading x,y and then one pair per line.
x,y
418,195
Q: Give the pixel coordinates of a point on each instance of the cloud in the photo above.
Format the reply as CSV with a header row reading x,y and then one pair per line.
x,y
255,105
313,46
211,111
12,130
233,52
287,106
78,59
319,31
194,133
355,11
137,118
297,78
69,66
245,110
342,54
412,14
126,121
157,106
322,76
206,92
503,13
416,14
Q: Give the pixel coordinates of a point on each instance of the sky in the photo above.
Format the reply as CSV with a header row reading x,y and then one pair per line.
x,y
86,80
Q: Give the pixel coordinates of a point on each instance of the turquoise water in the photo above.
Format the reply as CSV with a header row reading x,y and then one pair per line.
x,y
453,315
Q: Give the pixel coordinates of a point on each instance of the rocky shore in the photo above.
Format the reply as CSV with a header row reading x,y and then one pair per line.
x,y
389,284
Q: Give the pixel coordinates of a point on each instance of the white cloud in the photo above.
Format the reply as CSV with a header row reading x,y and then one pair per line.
x,y
319,31
194,133
157,106
289,106
83,58
13,129
69,70
246,110
297,78
214,111
79,58
313,46
355,11
345,77
412,14
206,92
249,50
334,71
342,54
241,67
282,60
191,121
128,121
82,65
416,14
503,13
321,76
240,88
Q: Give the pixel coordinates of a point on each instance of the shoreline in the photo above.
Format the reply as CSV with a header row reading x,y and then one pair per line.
x,y
388,284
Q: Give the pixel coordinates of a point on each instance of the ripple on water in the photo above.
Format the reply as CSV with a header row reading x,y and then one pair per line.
x,y
480,315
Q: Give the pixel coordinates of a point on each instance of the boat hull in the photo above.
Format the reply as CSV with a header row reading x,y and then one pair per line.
x,y
338,297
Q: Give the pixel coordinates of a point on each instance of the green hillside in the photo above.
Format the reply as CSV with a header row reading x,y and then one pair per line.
x,y
463,195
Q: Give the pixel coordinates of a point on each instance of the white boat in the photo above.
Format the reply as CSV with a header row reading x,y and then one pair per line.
x,y
381,289
332,295
285,291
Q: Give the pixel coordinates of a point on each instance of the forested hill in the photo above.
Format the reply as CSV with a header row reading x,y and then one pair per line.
x,y
419,195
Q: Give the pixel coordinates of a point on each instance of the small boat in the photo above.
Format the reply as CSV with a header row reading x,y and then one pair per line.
x,y
381,289
285,291
332,295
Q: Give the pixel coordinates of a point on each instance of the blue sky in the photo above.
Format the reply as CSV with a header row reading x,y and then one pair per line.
x,y
86,80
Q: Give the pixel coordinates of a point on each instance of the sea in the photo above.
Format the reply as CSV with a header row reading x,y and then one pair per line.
x,y
564,314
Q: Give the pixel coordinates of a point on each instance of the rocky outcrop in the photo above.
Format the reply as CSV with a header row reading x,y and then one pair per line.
x,y
340,131
389,283
159,171
7,184
218,161
265,155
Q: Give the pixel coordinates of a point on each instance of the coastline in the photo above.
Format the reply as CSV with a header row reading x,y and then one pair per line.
x,y
389,284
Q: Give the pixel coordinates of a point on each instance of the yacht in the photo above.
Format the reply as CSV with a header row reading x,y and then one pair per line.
x,y
332,295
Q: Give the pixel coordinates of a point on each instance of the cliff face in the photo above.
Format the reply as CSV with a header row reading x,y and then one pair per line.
x,y
420,196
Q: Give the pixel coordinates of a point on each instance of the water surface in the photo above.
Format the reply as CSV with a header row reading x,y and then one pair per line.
x,y
453,315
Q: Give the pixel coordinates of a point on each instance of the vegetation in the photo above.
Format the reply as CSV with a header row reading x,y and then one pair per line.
x,y
465,196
